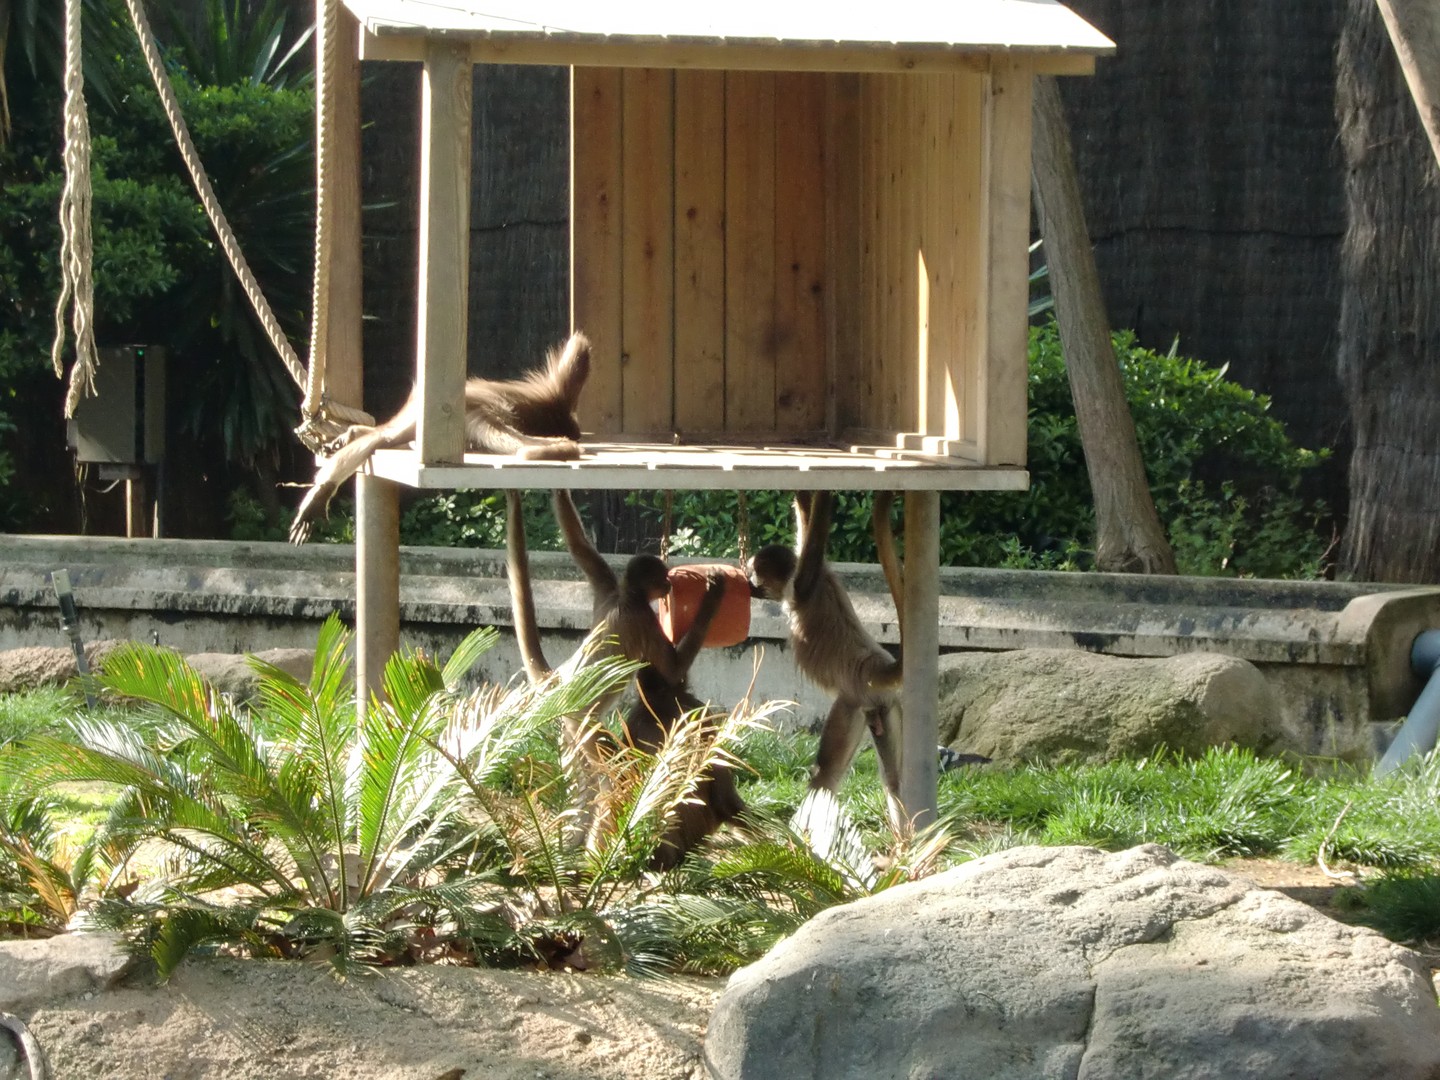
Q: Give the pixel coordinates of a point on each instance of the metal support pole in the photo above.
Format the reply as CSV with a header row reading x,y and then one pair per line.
x,y
921,634
377,582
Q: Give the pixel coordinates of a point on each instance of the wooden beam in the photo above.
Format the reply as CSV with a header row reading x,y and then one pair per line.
x,y
377,582
1005,217
1414,27
338,184
683,57
920,633
444,251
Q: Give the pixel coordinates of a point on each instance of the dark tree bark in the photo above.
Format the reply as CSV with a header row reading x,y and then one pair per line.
x,y
1389,355
1128,536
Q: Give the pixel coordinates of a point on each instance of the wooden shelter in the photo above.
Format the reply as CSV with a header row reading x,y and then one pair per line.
x,y
799,245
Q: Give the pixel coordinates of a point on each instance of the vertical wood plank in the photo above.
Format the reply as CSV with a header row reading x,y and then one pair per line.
x,y
843,249
909,194
595,239
873,265
444,251
647,343
800,263
1006,181
920,631
749,251
377,582
699,250
938,284
963,159
342,348
894,314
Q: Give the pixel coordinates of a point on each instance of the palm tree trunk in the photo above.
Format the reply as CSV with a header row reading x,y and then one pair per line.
x,y
1128,536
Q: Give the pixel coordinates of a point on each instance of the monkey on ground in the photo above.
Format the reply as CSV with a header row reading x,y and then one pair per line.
x,y
532,417
832,648
622,616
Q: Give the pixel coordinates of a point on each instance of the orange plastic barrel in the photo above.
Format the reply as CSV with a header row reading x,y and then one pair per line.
x,y
731,624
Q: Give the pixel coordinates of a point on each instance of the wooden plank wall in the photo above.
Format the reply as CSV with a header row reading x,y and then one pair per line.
x,y
921,254
761,253
700,254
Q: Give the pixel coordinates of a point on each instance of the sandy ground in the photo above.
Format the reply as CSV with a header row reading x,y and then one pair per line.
x,y
238,1020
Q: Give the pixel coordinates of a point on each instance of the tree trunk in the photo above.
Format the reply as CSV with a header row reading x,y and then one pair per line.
x,y
1389,350
1414,27
1128,536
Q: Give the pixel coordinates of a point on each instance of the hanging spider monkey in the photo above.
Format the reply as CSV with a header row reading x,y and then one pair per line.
x,y
532,417
832,648
622,616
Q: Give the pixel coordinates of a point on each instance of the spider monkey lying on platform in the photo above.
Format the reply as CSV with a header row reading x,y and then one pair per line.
x,y
532,417
621,614
832,648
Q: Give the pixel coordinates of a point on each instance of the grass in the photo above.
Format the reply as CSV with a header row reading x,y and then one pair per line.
x,y
1228,803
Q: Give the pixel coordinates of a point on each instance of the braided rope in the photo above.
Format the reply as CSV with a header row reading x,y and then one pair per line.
x,y
76,243
312,432
328,30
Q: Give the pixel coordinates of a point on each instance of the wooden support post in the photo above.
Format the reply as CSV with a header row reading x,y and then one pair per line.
x,y
377,581
444,251
1414,27
921,634
340,184
1005,181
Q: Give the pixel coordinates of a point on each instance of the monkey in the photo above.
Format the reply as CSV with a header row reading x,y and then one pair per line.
x,y
532,417
621,613
832,648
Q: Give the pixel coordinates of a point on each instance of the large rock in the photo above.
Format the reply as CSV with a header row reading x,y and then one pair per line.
x,y
35,666
233,674
1075,963
62,966
1063,704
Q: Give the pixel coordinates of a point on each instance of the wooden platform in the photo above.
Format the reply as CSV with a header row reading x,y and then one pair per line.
x,y
730,466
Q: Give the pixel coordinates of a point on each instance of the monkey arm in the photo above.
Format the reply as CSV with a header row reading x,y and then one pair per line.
x,y
812,550
522,597
603,585
885,549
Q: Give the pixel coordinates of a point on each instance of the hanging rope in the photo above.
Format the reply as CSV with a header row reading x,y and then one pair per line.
x,y
314,386
76,245
743,536
315,430
665,528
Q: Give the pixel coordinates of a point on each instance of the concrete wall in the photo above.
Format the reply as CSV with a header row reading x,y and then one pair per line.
x,y
1337,653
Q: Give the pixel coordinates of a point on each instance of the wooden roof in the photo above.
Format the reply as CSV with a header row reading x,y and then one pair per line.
x,y
735,33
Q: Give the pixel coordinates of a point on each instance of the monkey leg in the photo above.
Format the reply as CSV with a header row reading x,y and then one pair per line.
x,y
839,739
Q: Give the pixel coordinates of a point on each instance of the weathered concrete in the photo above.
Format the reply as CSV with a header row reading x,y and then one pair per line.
x,y
1337,654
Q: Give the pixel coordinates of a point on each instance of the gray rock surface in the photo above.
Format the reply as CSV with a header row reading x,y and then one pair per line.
x,y
44,969
233,674
1077,964
1066,705
34,666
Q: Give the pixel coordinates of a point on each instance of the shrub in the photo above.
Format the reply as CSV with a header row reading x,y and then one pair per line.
x,y
1223,474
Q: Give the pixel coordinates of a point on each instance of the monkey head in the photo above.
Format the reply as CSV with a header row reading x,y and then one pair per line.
x,y
771,569
647,578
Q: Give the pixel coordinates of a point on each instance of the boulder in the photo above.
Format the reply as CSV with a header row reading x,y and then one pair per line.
x,y
1076,963
34,666
66,965
233,674
1071,705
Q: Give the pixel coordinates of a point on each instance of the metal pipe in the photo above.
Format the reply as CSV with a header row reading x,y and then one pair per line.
x,y
70,623
1417,735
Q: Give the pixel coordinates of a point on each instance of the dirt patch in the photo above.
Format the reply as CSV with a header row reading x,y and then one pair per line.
x,y
257,1020
239,1020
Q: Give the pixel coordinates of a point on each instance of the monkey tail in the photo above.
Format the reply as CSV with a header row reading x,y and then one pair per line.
x,y
522,596
885,549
